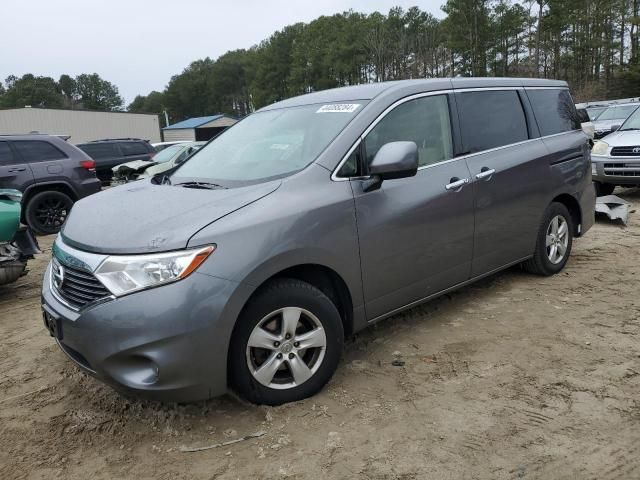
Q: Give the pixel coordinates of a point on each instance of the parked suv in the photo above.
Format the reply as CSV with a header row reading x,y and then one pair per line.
x,y
309,220
615,160
51,174
111,152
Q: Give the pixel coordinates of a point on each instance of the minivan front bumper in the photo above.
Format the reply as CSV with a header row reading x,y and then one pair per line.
x,y
167,343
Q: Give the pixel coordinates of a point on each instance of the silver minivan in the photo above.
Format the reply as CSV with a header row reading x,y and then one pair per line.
x,y
246,266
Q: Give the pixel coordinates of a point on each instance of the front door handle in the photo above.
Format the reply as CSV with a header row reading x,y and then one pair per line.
x,y
486,172
456,183
20,169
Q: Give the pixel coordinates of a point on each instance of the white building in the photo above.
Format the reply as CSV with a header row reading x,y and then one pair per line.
x,y
81,125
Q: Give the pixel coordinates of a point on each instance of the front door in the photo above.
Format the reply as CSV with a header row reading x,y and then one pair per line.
x,y
416,234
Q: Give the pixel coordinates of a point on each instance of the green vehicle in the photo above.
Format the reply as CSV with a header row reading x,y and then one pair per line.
x,y
17,243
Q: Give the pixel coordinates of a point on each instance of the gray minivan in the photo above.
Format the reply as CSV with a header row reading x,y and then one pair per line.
x,y
245,267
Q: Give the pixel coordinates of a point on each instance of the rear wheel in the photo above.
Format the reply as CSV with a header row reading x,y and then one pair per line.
x,y
286,345
603,189
554,242
47,211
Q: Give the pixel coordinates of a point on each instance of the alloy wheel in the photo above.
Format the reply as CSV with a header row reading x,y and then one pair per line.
x,y
557,239
286,348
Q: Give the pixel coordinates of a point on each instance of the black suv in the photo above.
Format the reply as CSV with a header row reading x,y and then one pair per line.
x,y
111,152
51,174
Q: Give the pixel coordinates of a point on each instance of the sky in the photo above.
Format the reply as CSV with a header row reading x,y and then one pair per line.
x,y
139,44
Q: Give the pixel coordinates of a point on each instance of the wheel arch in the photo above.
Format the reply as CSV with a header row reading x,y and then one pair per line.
x,y
573,206
36,188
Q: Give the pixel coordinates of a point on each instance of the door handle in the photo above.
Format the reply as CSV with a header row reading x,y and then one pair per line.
x,y
20,169
456,183
485,173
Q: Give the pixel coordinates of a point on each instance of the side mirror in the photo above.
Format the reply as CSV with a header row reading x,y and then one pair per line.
x,y
615,127
395,160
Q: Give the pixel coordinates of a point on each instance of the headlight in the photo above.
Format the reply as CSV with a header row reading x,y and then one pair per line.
x,y
125,274
600,148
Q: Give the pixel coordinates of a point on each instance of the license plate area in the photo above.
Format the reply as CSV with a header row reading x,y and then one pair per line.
x,y
52,323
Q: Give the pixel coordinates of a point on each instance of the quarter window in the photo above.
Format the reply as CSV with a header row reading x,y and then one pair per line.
x,y
6,156
37,151
424,121
491,119
554,111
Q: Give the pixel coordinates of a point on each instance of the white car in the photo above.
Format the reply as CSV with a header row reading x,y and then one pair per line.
x,y
168,158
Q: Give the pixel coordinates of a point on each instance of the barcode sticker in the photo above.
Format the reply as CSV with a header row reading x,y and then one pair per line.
x,y
339,108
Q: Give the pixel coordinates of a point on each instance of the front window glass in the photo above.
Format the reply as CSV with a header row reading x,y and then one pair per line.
x,y
424,121
270,144
617,112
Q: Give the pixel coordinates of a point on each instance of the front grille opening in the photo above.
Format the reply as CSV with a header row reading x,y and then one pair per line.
x,y
78,287
622,169
626,151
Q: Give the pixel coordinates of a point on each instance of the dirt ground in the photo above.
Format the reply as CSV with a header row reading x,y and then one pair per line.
x,y
514,377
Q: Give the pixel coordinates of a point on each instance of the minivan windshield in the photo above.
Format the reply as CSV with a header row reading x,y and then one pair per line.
x,y
268,145
617,112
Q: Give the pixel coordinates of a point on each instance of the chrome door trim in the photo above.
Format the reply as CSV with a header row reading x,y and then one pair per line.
x,y
336,178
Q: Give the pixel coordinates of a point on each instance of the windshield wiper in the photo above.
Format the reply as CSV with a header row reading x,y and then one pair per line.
x,y
202,185
628,129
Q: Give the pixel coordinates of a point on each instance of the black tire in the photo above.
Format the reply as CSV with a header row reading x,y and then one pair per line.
x,y
47,211
603,189
278,294
540,263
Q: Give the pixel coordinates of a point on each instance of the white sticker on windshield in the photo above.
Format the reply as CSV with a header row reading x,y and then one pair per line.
x,y
339,108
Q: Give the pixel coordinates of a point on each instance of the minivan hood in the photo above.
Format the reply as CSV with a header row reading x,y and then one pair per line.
x,y
142,217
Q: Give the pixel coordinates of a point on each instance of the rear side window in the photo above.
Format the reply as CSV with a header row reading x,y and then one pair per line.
x,y
100,150
6,155
133,148
554,111
37,151
424,121
491,119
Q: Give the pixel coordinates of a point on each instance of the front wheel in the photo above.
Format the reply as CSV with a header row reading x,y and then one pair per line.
x,y
286,345
554,242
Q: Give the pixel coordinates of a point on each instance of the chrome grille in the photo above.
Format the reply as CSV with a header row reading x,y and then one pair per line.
x,y
633,151
621,169
77,287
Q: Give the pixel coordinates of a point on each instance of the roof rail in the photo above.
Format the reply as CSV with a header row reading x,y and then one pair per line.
x,y
61,136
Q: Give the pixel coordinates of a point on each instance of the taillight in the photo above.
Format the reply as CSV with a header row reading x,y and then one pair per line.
x,y
88,164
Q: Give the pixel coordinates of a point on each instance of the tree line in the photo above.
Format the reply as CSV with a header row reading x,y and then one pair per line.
x,y
86,91
592,44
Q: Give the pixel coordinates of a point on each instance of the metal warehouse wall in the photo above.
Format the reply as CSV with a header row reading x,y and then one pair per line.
x,y
178,134
81,125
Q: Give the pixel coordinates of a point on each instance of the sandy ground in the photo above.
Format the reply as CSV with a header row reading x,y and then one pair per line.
x,y
514,377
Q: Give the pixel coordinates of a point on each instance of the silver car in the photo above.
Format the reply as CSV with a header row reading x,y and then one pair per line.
x,y
613,117
615,160
247,266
